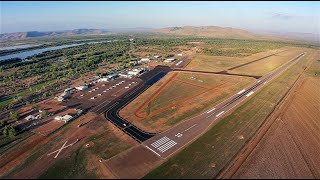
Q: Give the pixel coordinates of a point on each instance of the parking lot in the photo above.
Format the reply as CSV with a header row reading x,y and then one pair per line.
x,y
100,94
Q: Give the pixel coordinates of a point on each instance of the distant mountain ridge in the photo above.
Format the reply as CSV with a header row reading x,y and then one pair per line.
x,y
31,34
209,31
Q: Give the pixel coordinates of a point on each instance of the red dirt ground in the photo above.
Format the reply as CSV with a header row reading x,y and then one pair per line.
x,y
137,112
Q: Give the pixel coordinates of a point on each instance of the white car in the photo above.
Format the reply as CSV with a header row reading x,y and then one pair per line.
x,y
97,88
93,98
81,95
93,89
104,91
114,86
99,94
90,91
103,85
129,84
126,87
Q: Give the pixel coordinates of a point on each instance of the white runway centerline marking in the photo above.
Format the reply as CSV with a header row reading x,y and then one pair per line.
x,y
219,114
211,110
241,91
189,128
249,93
160,141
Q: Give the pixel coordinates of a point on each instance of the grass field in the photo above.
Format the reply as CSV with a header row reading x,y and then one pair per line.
x,y
206,156
220,63
269,64
204,62
186,95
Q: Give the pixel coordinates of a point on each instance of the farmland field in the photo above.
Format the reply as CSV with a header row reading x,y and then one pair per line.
x,y
162,106
290,149
209,154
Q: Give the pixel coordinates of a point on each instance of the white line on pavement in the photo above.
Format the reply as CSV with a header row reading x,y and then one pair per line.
x,y
219,113
153,151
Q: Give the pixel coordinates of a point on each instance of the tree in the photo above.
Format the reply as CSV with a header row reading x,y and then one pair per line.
x,y
14,115
45,113
5,131
12,132
3,123
35,107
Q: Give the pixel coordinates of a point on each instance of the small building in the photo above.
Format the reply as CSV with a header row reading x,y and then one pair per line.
x,y
60,98
105,79
135,72
134,62
81,88
157,56
170,60
113,76
30,117
145,60
125,75
64,118
179,54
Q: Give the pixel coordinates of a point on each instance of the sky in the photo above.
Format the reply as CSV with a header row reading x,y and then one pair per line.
x,y
275,16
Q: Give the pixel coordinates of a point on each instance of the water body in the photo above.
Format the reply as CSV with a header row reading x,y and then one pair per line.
x,y
26,54
19,46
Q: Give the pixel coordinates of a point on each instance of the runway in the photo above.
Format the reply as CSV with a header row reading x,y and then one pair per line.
x,y
168,142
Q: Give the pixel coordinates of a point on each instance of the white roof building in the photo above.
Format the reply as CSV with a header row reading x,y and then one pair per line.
x,y
170,60
30,117
80,88
125,75
144,60
64,118
179,54
135,72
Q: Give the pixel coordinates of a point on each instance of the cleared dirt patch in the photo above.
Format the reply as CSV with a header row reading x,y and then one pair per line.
x,y
290,149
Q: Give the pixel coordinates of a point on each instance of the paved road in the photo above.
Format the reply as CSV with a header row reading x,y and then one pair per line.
x,y
112,113
166,143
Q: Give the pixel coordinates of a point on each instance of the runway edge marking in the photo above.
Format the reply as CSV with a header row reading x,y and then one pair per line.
x,y
152,151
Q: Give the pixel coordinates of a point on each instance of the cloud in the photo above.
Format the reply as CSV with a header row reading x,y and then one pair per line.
x,y
283,16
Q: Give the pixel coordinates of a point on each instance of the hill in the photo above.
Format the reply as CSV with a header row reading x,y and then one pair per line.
x,y
31,34
209,31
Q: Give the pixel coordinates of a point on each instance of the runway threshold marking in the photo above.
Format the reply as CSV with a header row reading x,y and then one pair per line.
x,y
160,141
167,146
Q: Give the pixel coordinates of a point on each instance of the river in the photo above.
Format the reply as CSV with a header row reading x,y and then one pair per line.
x,y
26,54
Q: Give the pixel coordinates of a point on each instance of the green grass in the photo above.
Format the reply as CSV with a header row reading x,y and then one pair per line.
x,y
73,166
221,143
